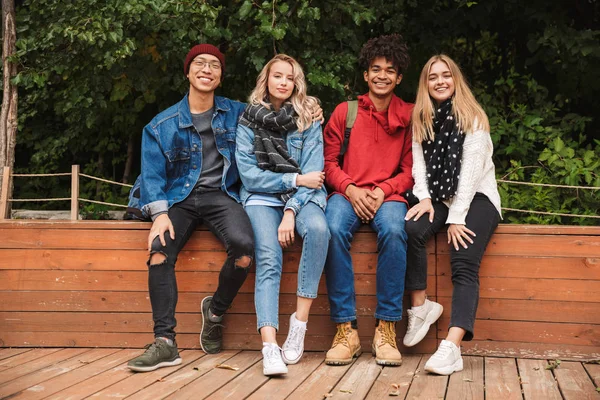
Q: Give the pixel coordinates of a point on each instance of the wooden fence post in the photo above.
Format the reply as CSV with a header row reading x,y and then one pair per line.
x,y
74,192
4,194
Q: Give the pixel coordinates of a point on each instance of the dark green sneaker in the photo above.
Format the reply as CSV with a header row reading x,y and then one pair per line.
x,y
157,354
211,335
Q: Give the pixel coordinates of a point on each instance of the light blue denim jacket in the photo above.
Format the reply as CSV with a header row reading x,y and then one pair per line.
x,y
304,147
172,156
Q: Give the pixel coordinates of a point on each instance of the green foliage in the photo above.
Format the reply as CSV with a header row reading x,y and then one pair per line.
x,y
92,76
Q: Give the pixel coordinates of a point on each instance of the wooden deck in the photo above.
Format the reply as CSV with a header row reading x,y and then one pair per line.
x,y
78,373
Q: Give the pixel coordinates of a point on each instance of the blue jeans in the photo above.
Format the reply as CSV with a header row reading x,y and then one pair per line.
x,y
312,227
391,262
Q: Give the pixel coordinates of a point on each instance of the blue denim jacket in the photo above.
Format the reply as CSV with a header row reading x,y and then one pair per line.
x,y
172,156
304,147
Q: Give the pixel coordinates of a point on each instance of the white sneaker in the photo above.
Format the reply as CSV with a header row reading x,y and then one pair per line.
x,y
419,321
293,348
445,360
272,362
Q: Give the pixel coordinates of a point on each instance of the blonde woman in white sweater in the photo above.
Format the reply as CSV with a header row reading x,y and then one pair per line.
x,y
456,185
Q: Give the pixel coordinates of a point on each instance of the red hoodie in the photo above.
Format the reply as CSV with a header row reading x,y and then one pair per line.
x,y
379,151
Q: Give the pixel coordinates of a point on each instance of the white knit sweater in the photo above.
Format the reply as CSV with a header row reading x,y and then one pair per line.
x,y
476,175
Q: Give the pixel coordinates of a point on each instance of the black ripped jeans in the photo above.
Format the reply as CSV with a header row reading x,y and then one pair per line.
x,y
228,221
482,219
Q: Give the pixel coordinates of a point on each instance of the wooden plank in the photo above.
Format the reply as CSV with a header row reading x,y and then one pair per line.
x,y
39,377
502,379
39,363
532,310
533,332
524,288
137,382
6,182
530,350
243,385
537,382
62,383
531,267
74,192
7,353
535,245
24,358
401,376
183,376
593,369
358,380
468,383
98,382
189,302
217,377
426,385
280,388
574,382
137,281
321,381
136,225
135,260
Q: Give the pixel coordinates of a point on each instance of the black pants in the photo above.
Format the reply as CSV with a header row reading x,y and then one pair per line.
x,y
230,224
482,219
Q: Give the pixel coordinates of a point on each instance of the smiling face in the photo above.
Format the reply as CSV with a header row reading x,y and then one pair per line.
x,y
280,83
440,82
382,77
205,73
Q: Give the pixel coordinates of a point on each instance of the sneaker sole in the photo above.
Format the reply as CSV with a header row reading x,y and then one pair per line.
x,y
288,361
177,361
344,361
202,329
449,370
420,335
275,372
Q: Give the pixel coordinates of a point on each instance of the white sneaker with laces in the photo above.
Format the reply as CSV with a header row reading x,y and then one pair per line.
x,y
419,321
272,362
293,348
445,360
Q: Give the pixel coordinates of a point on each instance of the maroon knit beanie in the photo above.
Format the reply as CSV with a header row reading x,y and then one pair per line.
x,y
203,49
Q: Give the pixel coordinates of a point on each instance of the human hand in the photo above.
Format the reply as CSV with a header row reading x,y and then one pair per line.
x,y
377,197
458,234
318,114
312,180
417,211
161,224
362,201
285,232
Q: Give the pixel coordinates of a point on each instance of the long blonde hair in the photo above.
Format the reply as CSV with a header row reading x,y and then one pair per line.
x,y
303,105
465,108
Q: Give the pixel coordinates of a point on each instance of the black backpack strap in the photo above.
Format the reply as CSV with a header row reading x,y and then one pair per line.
x,y
350,118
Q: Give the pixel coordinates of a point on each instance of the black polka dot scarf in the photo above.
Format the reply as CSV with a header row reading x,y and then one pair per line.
x,y
443,154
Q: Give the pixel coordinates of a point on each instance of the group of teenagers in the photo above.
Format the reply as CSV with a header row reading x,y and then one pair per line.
x,y
256,174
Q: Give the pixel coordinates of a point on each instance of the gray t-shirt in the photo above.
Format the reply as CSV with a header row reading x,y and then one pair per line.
x,y
212,161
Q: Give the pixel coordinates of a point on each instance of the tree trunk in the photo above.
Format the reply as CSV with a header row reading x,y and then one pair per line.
x,y
8,116
129,162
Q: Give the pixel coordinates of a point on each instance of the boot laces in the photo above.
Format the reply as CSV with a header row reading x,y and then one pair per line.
x,y
387,334
340,337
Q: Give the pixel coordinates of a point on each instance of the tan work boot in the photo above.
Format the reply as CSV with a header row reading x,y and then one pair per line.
x,y
385,349
346,345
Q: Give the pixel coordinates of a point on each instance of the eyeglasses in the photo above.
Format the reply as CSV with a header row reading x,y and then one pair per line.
x,y
202,63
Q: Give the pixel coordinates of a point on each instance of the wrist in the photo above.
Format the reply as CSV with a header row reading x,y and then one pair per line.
x,y
349,189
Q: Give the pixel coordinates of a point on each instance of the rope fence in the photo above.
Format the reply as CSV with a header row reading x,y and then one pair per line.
x,y
75,199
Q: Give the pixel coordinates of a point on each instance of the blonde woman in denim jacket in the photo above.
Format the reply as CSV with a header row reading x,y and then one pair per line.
x,y
280,159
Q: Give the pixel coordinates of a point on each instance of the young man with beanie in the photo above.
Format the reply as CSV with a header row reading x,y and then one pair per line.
x,y
189,176
370,192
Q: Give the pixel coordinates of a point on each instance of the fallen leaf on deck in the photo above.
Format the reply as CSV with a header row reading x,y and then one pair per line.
x,y
467,380
593,362
553,365
395,391
160,380
345,391
327,395
536,368
225,366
